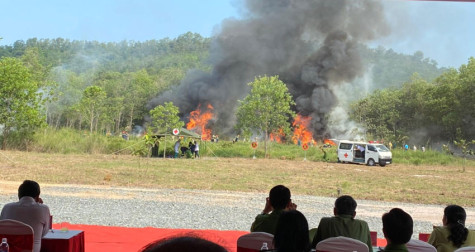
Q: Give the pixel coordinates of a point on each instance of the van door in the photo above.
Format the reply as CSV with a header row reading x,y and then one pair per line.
x,y
345,152
372,153
359,153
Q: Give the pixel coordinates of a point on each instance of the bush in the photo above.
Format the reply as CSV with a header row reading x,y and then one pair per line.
x,y
68,141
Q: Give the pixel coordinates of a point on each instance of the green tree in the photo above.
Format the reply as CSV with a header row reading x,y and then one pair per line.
x,y
466,95
165,119
63,108
139,91
91,105
19,101
266,108
114,85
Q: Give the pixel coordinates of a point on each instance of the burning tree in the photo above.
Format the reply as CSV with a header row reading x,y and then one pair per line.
x,y
267,108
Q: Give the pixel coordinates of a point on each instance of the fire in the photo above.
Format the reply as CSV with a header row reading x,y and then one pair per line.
x,y
277,136
301,132
198,121
328,141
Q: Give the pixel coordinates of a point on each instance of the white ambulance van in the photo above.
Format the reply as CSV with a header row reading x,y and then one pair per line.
x,y
363,153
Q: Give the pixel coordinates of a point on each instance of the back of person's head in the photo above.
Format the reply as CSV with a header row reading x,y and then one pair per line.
x,y
455,219
291,234
29,188
183,244
279,197
345,205
397,226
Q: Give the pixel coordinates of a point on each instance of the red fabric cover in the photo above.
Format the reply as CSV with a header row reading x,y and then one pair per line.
x,y
374,238
125,239
17,243
424,237
382,242
75,244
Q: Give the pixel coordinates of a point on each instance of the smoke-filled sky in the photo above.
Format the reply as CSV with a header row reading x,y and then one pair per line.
x,y
443,31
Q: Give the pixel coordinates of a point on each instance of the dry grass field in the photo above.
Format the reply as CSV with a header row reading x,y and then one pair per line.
x,y
395,182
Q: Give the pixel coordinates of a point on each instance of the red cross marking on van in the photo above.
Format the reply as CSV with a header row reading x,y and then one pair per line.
x,y
346,155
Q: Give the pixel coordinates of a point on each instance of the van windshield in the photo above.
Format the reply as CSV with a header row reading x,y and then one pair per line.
x,y
381,147
345,146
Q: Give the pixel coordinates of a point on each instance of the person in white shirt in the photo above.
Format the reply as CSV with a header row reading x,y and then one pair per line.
x,y
197,150
30,210
177,148
361,149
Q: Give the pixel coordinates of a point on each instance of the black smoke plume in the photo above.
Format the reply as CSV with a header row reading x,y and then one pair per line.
x,y
310,44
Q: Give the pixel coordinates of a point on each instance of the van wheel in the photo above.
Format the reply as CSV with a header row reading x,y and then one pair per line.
x,y
382,164
371,162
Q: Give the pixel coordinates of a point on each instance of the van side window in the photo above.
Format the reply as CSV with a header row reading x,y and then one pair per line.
x,y
346,146
371,148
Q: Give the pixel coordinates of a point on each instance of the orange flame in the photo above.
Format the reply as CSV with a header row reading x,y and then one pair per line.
x,y
301,132
277,136
330,142
198,121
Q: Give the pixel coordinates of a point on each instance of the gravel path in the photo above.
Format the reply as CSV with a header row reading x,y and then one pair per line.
x,y
200,209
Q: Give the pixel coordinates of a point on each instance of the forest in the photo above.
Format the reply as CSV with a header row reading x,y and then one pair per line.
x,y
106,88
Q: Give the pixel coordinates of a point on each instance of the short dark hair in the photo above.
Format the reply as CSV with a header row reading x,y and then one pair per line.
x,y
29,188
183,244
279,197
345,205
397,226
291,233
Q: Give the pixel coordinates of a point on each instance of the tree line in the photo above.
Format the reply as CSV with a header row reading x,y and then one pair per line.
x,y
421,111
106,87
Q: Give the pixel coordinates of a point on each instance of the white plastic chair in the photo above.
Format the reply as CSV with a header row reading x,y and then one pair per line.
x,y
253,241
19,235
419,246
466,249
341,244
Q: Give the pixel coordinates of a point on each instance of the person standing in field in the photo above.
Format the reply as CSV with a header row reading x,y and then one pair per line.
x,y
196,150
177,148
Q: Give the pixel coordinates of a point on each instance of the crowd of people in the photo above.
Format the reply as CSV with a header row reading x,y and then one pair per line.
x,y
280,218
193,148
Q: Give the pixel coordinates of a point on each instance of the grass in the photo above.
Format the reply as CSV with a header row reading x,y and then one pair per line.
x,y
69,141
425,182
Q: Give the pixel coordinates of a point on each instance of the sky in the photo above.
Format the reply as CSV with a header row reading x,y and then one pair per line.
x,y
442,30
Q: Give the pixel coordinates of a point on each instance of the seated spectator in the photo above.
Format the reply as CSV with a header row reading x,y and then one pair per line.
x,y
397,229
30,210
343,223
277,202
183,244
453,234
291,234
